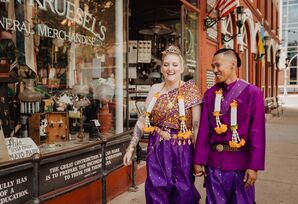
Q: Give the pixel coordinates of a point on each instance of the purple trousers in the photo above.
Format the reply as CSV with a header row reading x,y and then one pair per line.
x,y
227,187
170,177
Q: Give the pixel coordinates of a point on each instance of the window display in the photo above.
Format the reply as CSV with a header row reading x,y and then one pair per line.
x,y
69,59
62,57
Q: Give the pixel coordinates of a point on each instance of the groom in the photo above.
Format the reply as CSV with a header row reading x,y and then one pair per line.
x,y
230,147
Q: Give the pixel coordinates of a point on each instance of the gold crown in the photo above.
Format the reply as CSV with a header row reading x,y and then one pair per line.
x,y
172,49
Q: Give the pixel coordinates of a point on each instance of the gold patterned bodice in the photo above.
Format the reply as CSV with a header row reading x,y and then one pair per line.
x,y
167,115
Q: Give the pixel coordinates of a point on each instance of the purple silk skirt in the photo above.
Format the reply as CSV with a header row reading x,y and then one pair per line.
x,y
170,177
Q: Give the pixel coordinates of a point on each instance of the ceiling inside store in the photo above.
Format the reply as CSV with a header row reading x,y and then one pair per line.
x,y
146,13
156,9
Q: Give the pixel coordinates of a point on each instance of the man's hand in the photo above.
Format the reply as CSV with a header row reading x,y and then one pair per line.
x,y
199,170
250,177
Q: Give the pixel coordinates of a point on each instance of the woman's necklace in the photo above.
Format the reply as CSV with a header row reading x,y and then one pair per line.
x,y
171,103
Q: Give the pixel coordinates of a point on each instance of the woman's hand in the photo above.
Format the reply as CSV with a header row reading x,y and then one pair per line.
x,y
128,156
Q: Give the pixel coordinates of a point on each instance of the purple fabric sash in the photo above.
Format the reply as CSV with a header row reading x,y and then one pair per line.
x,y
236,90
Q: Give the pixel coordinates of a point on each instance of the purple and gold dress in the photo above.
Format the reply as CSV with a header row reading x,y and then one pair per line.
x,y
170,177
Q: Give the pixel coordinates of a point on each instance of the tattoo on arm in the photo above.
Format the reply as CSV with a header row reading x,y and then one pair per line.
x,y
195,124
137,131
137,134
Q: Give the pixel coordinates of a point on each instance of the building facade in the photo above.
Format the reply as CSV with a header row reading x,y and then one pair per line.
x,y
289,33
96,60
259,19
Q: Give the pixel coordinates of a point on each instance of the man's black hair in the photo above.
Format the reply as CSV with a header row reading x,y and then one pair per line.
x,y
229,50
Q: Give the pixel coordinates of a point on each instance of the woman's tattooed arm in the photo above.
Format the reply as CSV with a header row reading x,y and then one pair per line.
x,y
137,133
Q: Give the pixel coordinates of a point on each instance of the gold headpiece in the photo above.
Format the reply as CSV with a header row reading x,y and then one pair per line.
x,y
172,49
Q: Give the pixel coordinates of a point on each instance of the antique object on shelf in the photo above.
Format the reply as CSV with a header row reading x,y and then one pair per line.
x,y
49,127
42,73
144,51
53,83
103,90
30,99
57,127
48,105
105,118
7,53
4,104
24,126
81,91
4,67
93,130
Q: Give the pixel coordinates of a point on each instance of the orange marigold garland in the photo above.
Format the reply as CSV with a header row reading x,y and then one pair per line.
x,y
148,128
236,142
220,128
183,134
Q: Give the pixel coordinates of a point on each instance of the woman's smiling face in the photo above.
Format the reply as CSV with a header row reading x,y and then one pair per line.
x,y
172,68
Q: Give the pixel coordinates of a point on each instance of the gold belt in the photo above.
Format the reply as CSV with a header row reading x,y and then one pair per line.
x,y
224,147
166,135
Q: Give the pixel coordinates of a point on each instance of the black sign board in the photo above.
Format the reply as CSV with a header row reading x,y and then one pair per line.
x,y
74,169
114,155
68,171
16,187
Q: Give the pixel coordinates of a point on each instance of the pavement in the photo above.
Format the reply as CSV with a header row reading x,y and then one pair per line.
x,y
279,182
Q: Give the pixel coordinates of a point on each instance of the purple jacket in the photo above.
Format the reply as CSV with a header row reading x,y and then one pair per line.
x,y
251,127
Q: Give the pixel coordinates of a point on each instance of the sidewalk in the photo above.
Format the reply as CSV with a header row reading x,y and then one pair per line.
x,y
279,182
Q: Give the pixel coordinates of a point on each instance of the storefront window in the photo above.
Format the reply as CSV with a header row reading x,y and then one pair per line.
x,y
190,42
73,49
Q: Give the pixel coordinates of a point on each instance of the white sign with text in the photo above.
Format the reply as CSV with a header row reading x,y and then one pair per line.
x,y
19,148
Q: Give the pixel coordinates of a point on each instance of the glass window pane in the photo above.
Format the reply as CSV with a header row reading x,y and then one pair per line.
x,y
190,43
74,42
